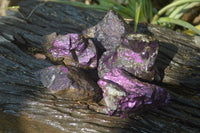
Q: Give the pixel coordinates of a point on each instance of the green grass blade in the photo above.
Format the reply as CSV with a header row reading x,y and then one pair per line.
x,y
180,14
122,9
132,5
10,7
149,10
178,22
137,15
173,4
142,13
178,10
105,3
169,11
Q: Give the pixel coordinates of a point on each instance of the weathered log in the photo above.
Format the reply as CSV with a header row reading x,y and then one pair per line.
x,y
24,103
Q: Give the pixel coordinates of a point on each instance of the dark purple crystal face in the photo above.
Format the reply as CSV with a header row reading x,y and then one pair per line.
x,y
124,94
88,56
145,47
109,31
75,50
63,44
135,56
54,78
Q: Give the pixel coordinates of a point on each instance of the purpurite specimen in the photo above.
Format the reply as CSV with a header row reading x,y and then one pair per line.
x,y
72,49
133,55
125,60
109,31
70,82
124,94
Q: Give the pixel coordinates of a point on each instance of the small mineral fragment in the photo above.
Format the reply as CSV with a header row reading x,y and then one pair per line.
x,y
69,82
40,56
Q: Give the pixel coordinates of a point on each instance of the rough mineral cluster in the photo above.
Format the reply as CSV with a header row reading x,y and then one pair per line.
x,y
124,62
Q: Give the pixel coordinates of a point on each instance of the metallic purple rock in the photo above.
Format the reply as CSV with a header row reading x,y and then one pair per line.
x,y
69,82
135,56
109,31
124,94
74,50
87,56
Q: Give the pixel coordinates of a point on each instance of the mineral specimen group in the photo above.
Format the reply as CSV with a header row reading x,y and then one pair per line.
x,y
125,63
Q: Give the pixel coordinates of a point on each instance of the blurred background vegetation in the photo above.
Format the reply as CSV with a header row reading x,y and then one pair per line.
x,y
182,15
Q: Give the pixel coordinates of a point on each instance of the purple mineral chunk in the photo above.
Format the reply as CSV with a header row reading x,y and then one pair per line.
x,y
63,44
69,82
133,55
87,56
124,94
73,50
109,31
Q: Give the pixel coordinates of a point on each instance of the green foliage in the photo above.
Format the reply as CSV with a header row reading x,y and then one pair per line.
x,y
177,6
137,15
142,10
178,22
172,13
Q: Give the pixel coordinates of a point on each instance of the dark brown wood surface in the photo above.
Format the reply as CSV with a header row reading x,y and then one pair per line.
x,y
23,96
